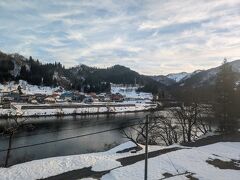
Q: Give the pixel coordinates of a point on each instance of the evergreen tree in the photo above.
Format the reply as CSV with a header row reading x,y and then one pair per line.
x,y
23,73
225,98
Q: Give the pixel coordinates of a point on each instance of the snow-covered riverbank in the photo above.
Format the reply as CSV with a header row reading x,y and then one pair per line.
x,y
74,108
179,163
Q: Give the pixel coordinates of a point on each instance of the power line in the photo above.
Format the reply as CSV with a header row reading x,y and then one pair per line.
x,y
73,137
68,138
70,129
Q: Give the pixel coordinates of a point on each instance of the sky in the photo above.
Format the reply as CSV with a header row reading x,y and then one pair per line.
x,y
150,36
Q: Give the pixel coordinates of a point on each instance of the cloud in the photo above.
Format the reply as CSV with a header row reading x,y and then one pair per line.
x,y
152,37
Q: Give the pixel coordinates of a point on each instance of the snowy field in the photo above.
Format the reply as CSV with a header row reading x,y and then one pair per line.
x,y
179,164
130,92
27,88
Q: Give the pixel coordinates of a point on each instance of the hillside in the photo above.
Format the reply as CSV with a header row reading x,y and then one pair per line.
x,y
14,67
200,85
208,77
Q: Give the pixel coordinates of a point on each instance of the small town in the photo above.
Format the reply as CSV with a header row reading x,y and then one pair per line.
x,y
26,100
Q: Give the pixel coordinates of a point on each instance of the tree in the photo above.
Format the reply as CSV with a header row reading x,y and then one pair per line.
x,y
12,128
165,129
160,129
24,73
137,134
192,120
178,124
186,117
225,96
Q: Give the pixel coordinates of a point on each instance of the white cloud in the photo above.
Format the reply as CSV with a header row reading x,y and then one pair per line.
x,y
152,37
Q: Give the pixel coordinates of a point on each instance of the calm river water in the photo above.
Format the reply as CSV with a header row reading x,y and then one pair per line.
x,y
44,129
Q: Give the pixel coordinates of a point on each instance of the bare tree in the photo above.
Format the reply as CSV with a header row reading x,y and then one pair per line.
x,y
205,118
9,130
161,129
183,123
137,134
192,119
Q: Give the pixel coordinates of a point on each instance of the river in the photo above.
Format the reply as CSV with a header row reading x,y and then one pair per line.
x,y
44,129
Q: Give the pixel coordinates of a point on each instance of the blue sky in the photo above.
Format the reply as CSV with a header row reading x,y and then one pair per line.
x,y
149,36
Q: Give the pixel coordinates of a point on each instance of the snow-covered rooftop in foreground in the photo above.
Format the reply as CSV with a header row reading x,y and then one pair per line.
x,y
192,160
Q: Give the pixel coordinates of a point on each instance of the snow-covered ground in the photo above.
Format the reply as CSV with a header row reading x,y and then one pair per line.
x,y
130,92
178,163
178,76
27,88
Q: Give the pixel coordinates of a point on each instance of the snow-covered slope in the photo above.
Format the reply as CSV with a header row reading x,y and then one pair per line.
x,y
183,163
177,164
208,77
130,92
27,88
235,66
163,80
178,76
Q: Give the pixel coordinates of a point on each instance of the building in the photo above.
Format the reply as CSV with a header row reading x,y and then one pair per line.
x,y
117,97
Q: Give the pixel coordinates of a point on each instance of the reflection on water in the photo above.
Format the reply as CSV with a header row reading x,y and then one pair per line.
x,y
54,128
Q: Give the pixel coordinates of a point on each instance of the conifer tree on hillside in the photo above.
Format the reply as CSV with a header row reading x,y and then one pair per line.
x,y
225,97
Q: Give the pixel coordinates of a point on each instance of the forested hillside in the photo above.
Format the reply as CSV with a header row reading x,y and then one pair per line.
x,y
82,77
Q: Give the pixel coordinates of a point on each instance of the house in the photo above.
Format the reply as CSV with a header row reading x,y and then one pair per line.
x,y
60,90
67,96
11,95
101,97
93,95
6,103
88,100
78,97
56,95
50,100
117,97
40,97
26,98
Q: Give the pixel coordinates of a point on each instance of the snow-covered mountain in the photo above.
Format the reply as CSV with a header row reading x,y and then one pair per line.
x,y
197,78
178,76
208,77
164,80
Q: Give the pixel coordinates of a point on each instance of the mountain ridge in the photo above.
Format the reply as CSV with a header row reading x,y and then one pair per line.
x,y
82,77
87,78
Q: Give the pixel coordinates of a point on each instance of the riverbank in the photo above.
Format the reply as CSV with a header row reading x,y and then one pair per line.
x,y
51,128
61,109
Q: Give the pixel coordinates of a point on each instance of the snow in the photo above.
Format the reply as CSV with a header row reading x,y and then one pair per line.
x,y
81,109
186,160
178,76
27,88
182,76
177,163
136,101
52,166
106,164
130,92
123,146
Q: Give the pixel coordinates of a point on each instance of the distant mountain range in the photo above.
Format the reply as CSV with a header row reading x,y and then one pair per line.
x,y
197,78
85,78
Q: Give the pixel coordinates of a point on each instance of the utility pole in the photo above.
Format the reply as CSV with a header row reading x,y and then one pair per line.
x,y
146,149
